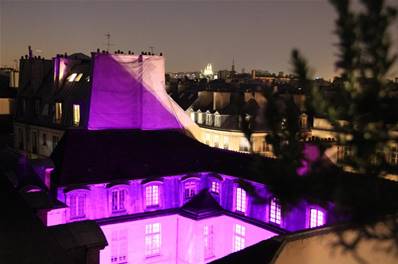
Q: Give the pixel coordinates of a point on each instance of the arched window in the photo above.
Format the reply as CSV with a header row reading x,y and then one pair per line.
x,y
118,199
152,195
77,202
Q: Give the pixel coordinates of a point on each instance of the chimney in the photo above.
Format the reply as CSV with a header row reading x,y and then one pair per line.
x,y
30,52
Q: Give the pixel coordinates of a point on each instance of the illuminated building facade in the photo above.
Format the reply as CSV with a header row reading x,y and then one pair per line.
x,y
129,159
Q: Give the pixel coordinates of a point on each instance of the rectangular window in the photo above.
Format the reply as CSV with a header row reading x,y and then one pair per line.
x,y
76,115
394,156
207,139
118,200
239,237
240,200
226,142
216,141
244,145
215,187
208,241
152,195
275,212
44,139
77,205
34,142
58,112
152,239
119,247
55,141
317,218
189,189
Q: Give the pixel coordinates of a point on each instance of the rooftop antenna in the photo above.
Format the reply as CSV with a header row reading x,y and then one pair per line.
x,y
108,41
151,48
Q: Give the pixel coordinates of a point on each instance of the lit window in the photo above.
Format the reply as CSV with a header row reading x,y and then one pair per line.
x,y
58,112
394,155
244,145
78,77
275,211
240,200
209,118
118,200
207,139
189,189
226,142
200,117
317,217
152,195
152,239
77,204
119,247
239,237
215,187
217,119
76,115
71,77
216,141
208,241
192,114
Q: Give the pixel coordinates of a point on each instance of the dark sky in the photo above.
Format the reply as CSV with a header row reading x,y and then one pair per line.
x,y
191,34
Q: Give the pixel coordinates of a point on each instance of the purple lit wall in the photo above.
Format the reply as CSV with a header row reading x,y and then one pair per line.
x,y
128,91
178,239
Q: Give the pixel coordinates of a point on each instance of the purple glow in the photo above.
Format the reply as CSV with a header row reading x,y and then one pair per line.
x,y
177,239
311,154
129,92
317,218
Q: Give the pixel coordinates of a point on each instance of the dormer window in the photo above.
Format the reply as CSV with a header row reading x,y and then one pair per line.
x,y
78,77
77,205
217,119
190,189
152,195
118,200
317,217
275,211
72,77
215,187
58,112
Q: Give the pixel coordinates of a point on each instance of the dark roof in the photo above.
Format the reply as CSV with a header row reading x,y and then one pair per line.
x,y
201,206
23,238
84,156
262,252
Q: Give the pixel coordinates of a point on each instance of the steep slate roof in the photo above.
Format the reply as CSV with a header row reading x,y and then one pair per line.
x,y
83,157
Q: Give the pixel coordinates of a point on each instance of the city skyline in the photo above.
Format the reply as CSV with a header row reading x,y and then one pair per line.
x,y
258,35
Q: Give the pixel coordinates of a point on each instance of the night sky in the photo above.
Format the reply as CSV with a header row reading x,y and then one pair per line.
x,y
191,34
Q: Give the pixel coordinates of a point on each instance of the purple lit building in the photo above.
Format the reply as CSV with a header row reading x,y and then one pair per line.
x,y
124,154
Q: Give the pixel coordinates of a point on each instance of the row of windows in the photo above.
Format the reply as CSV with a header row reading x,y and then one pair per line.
x,y
34,139
58,114
316,216
153,242
152,199
206,118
